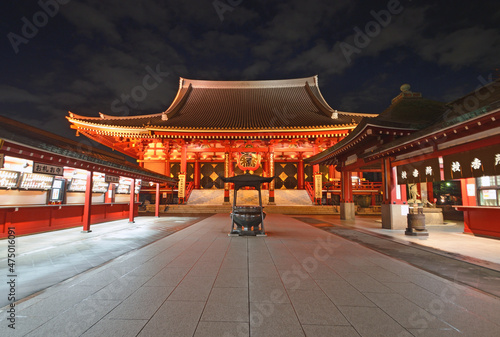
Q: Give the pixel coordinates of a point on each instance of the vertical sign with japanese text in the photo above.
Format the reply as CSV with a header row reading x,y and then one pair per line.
x,y
182,185
318,186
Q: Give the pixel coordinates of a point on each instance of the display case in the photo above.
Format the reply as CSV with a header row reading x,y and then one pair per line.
x,y
99,184
36,181
57,191
123,187
138,185
77,185
9,179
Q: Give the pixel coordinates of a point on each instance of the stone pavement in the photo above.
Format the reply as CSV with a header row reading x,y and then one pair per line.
x,y
297,281
45,259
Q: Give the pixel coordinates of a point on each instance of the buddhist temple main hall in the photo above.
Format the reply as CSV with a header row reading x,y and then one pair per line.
x,y
221,128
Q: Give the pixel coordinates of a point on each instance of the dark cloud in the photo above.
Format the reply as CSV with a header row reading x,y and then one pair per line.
x,y
93,53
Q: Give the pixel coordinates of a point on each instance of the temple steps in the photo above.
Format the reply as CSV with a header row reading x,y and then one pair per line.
x,y
281,209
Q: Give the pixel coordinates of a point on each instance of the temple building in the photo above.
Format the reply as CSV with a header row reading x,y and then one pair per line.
x,y
417,142
216,129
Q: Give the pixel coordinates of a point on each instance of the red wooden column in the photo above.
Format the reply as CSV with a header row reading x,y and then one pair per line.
x,y
393,210
315,151
184,158
157,204
226,174
88,204
300,171
166,151
132,201
346,187
389,183
347,211
331,172
430,192
197,176
271,173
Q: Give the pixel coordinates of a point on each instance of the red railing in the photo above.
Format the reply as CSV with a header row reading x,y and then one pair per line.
x,y
189,189
310,190
363,185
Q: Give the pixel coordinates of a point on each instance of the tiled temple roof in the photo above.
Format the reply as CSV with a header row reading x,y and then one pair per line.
x,y
238,105
408,112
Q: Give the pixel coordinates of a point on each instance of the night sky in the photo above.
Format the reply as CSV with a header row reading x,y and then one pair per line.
x,y
126,57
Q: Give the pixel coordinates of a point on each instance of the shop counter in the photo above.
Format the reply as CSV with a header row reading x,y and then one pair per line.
x,y
481,220
30,219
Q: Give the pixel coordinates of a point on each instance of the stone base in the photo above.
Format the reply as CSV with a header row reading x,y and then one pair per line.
x,y
347,211
413,232
433,215
392,218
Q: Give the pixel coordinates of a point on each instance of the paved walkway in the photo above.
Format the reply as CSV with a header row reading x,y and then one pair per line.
x,y
45,259
297,281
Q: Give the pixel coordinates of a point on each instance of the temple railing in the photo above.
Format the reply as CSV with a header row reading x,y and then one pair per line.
x,y
310,190
189,189
363,185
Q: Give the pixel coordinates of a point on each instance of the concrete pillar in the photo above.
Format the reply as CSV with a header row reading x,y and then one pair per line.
x,y
347,209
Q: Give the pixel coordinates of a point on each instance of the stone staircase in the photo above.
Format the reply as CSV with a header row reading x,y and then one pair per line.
x,y
287,202
309,209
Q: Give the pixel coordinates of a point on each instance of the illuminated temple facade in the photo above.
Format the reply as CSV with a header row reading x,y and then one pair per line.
x,y
220,128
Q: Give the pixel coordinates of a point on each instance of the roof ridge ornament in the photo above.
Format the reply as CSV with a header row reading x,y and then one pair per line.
x,y
164,117
335,114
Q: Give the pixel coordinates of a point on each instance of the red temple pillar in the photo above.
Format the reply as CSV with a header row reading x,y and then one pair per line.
x,y
315,151
131,202
226,174
300,171
347,210
430,192
157,203
88,204
271,173
331,172
393,210
197,176
184,159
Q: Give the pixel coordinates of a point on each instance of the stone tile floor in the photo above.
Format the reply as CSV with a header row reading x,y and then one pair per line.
x,y
297,281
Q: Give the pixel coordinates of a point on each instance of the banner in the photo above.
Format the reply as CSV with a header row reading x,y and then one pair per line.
x,y
477,163
419,172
